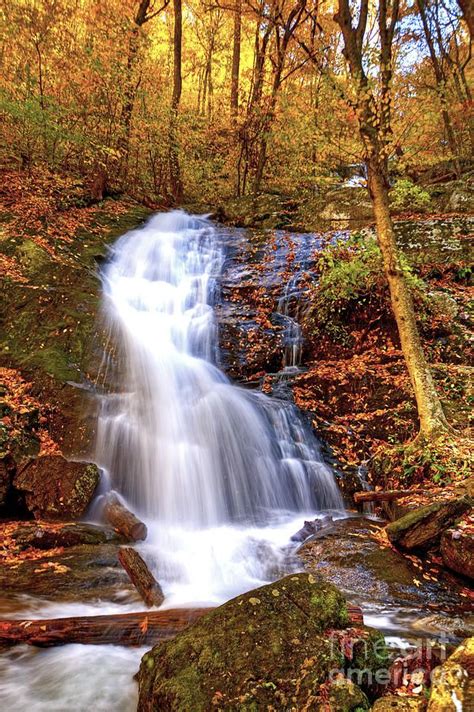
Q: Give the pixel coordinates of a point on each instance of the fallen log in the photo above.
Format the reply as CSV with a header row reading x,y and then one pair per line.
x,y
379,496
122,520
122,629
141,576
129,629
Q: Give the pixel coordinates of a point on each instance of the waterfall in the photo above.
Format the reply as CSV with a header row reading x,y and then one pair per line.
x,y
292,334
188,450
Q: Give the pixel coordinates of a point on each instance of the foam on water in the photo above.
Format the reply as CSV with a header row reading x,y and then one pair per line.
x,y
220,474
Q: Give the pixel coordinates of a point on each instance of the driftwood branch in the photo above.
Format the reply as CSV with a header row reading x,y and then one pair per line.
x,y
141,576
122,629
122,520
386,496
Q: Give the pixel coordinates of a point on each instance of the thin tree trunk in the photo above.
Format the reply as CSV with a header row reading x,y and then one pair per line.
x,y
142,16
234,89
440,87
432,419
129,93
176,186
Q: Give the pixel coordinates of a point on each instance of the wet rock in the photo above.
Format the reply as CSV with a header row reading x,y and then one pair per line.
x,y
89,572
351,554
44,535
400,704
454,627
55,488
423,526
310,528
457,549
453,682
269,648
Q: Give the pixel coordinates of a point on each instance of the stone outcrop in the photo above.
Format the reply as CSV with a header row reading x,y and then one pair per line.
x,y
452,687
424,526
54,488
457,549
276,647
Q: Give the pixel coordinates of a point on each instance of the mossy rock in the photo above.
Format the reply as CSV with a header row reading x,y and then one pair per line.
x,y
32,258
271,648
452,686
423,526
345,696
55,488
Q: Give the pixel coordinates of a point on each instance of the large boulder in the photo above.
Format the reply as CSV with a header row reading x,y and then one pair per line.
x,y
457,548
54,488
280,646
423,526
452,687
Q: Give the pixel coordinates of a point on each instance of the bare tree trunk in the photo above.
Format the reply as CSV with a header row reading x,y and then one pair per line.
x,y
176,186
440,87
284,29
234,89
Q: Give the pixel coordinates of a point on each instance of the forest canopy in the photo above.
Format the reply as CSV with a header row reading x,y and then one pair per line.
x,y
219,98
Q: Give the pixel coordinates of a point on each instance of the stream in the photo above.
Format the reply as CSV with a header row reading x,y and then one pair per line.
x,y
222,475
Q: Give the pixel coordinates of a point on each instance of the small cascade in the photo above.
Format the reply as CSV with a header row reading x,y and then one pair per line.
x,y
288,307
196,456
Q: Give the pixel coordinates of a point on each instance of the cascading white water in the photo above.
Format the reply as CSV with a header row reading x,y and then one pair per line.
x,y
204,462
293,334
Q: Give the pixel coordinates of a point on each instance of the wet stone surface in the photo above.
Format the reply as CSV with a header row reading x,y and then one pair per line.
x,y
352,554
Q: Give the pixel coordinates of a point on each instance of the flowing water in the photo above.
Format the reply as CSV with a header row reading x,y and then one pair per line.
x,y
218,472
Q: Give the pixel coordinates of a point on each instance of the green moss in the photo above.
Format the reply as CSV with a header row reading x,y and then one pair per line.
x,y
32,257
232,650
399,526
184,691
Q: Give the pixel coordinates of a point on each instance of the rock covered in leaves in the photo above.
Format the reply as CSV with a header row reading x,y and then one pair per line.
x,y
452,686
55,488
423,526
457,548
50,535
271,648
395,703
